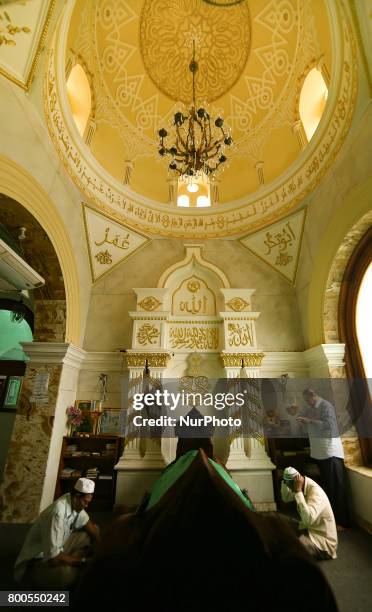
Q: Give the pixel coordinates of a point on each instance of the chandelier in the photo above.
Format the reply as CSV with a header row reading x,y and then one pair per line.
x,y
198,142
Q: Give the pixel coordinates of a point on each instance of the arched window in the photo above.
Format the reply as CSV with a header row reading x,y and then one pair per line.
x,y
364,321
183,200
313,99
355,332
79,96
194,192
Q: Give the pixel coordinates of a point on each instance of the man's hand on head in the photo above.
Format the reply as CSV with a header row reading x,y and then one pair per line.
x,y
297,484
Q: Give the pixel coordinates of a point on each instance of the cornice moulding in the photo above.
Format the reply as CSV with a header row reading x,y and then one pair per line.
x,y
61,353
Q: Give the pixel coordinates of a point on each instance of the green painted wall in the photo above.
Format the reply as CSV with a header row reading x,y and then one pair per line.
x,y
11,334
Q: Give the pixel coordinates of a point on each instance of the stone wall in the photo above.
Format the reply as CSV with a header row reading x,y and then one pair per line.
x,y
21,491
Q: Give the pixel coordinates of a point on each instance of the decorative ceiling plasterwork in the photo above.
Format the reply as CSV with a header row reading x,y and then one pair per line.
x,y
222,41
237,218
269,100
263,100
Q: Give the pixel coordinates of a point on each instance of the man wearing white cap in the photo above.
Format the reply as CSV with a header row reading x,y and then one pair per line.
x,y
317,521
53,553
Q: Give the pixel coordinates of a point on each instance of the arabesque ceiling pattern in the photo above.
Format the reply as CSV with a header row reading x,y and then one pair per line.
x,y
252,58
287,39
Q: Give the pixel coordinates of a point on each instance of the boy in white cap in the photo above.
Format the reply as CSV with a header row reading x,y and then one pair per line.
x,y
317,521
54,550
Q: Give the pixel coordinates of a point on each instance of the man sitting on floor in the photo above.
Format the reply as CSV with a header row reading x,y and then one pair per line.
x,y
56,546
317,520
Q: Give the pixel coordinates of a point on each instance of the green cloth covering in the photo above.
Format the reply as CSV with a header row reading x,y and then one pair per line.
x,y
175,471
169,477
227,478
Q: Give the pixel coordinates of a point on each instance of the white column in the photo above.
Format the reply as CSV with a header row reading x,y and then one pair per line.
x,y
248,461
70,357
131,456
250,452
142,461
153,448
237,458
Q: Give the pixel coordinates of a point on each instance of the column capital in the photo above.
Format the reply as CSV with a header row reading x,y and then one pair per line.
x,y
154,359
250,360
62,353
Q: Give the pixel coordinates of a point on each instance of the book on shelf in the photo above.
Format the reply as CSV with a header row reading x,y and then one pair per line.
x,y
68,472
92,473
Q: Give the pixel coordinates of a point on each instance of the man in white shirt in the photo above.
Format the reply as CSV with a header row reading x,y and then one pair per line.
x,y
317,521
54,550
326,447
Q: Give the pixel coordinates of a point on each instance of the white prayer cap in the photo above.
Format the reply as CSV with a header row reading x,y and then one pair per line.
x,y
85,485
290,473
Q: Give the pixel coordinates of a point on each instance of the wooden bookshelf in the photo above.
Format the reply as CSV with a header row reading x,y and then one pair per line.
x,y
77,465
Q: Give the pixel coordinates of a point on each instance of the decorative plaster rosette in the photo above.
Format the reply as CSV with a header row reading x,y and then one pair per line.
x,y
230,219
167,30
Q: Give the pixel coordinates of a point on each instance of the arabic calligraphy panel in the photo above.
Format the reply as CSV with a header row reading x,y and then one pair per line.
x,y
148,334
109,242
194,337
193,297
280,245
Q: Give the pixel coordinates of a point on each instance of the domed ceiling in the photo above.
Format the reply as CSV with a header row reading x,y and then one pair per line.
x,y
251,58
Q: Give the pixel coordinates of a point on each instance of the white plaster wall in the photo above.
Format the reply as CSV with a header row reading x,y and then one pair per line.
x,y
94,364
352,168
360,480
109,326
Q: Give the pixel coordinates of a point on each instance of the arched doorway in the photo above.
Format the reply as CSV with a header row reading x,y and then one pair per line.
x,y
27,313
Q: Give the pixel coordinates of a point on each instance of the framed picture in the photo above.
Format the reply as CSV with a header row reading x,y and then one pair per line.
x,y
110,422
87,424
13,391
88,405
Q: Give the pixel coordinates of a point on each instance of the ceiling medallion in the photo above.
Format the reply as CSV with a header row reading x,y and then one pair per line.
x,y
223,42
198,145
